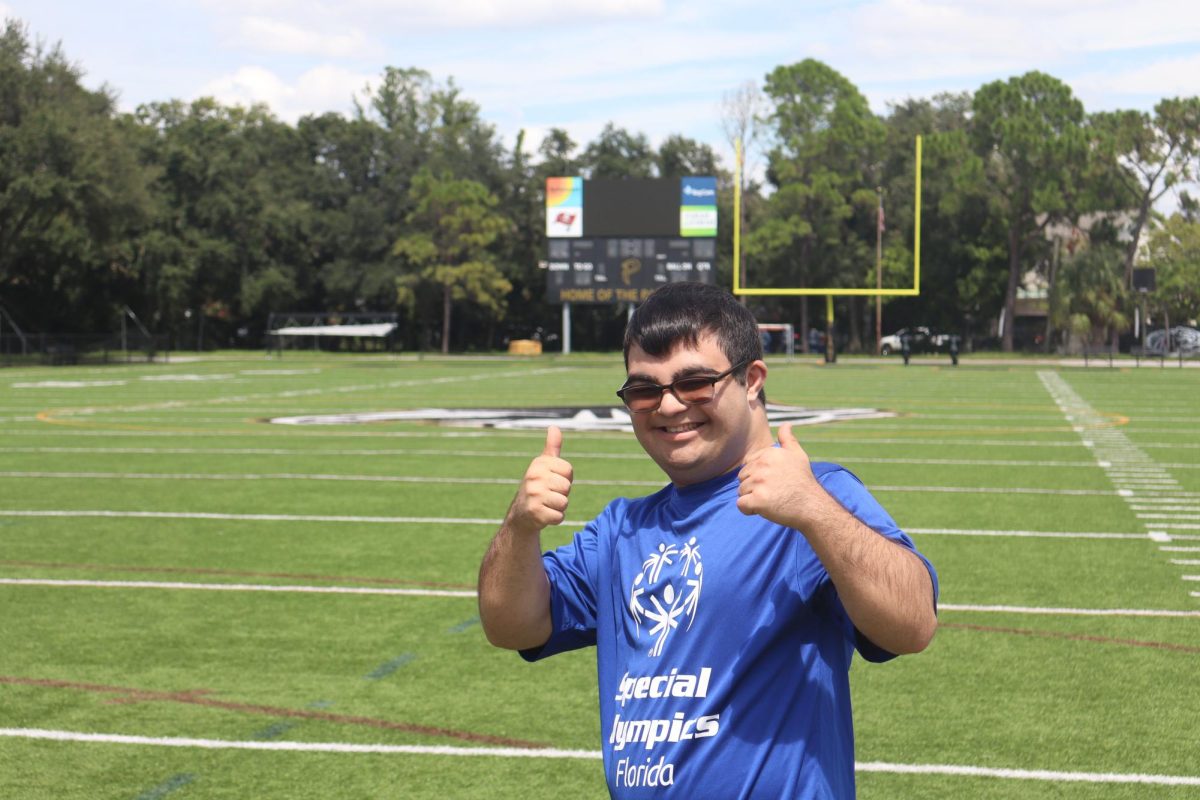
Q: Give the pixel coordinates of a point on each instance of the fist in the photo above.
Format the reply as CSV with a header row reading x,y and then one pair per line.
x,y
542,498
777,483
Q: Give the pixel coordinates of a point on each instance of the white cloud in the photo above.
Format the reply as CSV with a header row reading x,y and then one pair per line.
x,y
320,89
412,15
265,33
923,39
504,13
1167,78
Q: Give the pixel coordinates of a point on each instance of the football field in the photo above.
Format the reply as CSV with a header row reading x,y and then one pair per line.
x,y
198,602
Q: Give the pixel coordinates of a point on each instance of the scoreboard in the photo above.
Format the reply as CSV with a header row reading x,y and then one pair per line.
x,y
610,270
616,241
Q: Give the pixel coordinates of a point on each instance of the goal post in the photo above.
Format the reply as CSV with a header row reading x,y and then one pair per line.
x,y
830,291
786,332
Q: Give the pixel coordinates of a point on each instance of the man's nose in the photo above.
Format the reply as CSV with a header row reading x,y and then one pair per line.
x,y
670,405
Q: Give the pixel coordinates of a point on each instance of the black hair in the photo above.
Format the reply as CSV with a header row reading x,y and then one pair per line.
x,y
680,313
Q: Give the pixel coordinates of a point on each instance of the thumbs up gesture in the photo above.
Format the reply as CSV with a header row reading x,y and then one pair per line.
x,y
777,482
542,499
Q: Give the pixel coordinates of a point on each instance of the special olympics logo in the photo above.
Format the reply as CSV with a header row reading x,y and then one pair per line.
x,y
662,603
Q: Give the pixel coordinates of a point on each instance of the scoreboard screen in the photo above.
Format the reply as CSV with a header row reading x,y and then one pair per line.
x,y
616,241
625,270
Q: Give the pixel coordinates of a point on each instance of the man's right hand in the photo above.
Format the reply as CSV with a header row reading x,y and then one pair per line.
x,y
542,499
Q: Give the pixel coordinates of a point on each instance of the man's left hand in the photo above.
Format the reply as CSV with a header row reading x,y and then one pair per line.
x,y
777,483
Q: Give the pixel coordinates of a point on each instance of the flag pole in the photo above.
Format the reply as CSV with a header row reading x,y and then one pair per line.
x,y
879,270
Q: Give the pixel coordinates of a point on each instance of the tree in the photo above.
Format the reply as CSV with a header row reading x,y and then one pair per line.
x,y
231,235
818,227
1150,156
71,192
616,153
1028,132
963,255
742,110
453,224
680,156
1174,251
1089,297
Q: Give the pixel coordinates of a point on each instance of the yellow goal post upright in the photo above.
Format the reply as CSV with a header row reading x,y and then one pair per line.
x,y
829,292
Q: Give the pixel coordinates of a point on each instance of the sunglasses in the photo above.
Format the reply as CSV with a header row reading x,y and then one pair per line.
x,y
693,390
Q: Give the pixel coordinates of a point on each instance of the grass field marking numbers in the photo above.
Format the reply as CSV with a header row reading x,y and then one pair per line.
x,y
1117,456
591,755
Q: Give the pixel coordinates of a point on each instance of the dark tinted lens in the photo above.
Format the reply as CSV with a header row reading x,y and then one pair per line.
x,y
641,397
694,390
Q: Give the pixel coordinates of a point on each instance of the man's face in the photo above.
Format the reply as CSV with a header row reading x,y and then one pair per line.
x,y
694,443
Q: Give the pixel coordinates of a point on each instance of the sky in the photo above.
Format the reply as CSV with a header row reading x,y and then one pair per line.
x,y
657,67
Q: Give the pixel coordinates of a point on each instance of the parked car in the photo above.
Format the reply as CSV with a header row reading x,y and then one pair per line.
x,y
920,340
1180,339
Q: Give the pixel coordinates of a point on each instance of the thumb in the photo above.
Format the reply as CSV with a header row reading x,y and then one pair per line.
x,y
787,439
554,439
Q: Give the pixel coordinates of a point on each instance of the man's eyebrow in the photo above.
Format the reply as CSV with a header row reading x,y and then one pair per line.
x,y
686,372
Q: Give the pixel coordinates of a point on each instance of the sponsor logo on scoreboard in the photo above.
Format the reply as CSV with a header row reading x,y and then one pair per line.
x,y
698,207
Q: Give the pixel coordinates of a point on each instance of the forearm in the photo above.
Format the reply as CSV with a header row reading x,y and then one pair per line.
x,y
885,587
514,593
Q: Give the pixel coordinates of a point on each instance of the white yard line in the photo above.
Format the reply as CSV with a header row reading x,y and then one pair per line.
x,y
208,515
231,587
1169,516
299,476
1026,534
303,747
1129,468
509,482
1053,776
315,453
1000,490
1073,612
361,590
1028,774
575,523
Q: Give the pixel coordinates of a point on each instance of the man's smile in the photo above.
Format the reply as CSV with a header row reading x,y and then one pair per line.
x,y
682,427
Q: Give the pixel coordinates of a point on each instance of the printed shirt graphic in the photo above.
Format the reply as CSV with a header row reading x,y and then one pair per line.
x,y
722,648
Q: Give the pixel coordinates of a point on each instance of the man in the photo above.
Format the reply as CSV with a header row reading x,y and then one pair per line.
x,y
725,608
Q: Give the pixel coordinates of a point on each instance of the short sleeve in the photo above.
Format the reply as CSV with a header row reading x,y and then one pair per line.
x,y
848,490
571,570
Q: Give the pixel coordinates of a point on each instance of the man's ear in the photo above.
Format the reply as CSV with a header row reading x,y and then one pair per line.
x,y
756,378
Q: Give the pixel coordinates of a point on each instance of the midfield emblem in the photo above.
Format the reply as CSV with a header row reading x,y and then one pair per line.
x,y
571,418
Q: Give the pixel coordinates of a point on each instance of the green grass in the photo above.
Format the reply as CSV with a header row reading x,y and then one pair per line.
x,y
1000,690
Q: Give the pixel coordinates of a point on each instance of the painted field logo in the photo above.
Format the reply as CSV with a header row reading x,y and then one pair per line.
x,y
572,418
664,604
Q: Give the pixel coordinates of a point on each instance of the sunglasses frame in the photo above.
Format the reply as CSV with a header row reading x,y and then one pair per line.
x,y
711,380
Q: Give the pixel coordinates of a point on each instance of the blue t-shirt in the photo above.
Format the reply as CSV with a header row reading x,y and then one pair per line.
x,y
722,647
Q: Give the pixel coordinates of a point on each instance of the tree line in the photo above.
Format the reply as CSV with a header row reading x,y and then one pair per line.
x,y
202,216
